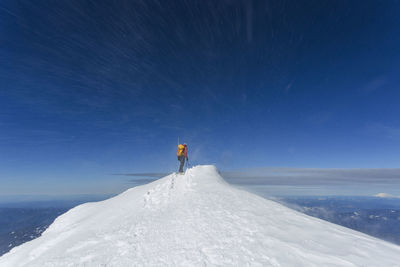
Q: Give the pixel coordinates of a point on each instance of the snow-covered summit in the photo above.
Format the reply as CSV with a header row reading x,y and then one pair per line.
x,y
196,219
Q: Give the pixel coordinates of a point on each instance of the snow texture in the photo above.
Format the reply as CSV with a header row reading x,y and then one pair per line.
x,y
196,219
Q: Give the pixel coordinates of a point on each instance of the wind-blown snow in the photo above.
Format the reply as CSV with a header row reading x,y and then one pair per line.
x,y
196,219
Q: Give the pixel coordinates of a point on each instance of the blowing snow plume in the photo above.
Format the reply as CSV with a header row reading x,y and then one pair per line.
x,y
196,219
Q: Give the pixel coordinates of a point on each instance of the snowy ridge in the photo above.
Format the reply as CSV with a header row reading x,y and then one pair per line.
x,y
196,219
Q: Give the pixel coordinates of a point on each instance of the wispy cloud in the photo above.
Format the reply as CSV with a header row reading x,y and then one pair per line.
x,y
375,84
312,176
384,130
147,174
319,118
299,177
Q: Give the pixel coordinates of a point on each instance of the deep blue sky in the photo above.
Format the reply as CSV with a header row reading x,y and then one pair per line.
x,y
91,88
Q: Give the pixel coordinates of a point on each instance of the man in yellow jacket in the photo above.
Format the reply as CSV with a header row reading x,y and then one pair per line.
x,y
182,155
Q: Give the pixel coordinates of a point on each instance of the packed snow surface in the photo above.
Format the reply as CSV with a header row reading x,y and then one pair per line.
x,y
196,219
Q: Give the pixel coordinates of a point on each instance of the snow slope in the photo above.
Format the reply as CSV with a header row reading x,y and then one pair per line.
x,y
196,219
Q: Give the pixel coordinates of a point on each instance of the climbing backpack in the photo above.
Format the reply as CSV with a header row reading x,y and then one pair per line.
x,y
180,150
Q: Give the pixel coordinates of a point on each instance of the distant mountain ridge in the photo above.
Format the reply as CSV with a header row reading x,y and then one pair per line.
x,y
196,219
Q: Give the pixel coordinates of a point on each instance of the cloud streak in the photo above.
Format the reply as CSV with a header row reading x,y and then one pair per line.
x,y
311,176
147,174
300,176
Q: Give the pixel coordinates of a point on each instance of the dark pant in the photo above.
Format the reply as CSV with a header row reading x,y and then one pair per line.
x,y
182,160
